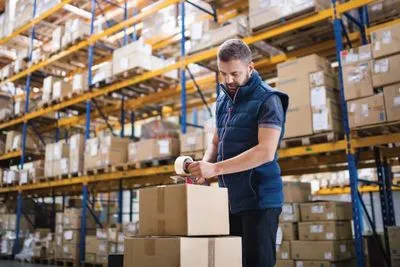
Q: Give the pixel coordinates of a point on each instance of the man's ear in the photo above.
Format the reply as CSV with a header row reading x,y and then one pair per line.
x,y
251,67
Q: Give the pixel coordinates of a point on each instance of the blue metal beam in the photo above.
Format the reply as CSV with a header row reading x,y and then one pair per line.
x,y
130,205
125,18
93,214
357,216
82,245
122,118
120,201
182,70
132,125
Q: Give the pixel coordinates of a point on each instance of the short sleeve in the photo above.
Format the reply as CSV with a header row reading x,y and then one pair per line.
x,y
271,113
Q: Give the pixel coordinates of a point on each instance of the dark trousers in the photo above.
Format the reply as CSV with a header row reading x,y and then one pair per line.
x,y
258,231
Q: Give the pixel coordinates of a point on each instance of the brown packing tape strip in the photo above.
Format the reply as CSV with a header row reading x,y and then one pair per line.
x,y
211,252
161,228
150,247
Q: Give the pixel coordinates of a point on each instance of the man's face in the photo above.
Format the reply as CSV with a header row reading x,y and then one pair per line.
x,y
235,73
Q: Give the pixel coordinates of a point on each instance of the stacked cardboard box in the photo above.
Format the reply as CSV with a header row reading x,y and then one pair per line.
x,y
367,75
325,234
263,13
172,221
61,89
314,99
5,106
58,235
103,74
394,244
192,143
80,82
56,39
32,172
71,232
14,141
47,92
295,193
74,30
150,149
76,153
104,151
56,159
380,10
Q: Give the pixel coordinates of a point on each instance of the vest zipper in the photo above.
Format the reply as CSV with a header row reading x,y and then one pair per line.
x,y
225,126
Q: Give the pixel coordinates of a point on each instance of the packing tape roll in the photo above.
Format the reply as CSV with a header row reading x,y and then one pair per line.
x,y
180,163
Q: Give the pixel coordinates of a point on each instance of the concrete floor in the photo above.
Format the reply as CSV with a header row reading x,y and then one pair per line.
x,y
4,263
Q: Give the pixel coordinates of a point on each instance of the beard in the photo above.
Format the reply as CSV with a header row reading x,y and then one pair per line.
x,y
234,86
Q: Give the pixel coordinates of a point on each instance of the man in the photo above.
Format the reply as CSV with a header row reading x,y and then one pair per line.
x,y
250,118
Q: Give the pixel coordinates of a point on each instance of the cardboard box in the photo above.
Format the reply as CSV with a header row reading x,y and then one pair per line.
x,y
290,213
322,96
60,150
70,251
285,263
357,80
72,221
59,217
56,39
322,78
283,251
392,102
325,230
327,118
61,89
101,259
386,41
321,250
366,111
48,169
326,211
395,261
76,153
356,54
71,236
90,257
394,240
193,141
149,149
293,116
385,71
58,239
296,192
183,251
80,82
297,89
303,66
289,231
187,209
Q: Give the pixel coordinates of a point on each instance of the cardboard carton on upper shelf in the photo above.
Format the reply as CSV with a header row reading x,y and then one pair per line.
x,y
294,115
357,80
327,118
356,54
177,210
322,78
322,250
193,141
149,149
385,71
296,192
61,89
183,251
366,111
325,211
386,41
392,102
325,230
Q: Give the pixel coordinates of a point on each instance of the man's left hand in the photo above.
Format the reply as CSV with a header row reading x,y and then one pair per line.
x,y
203,169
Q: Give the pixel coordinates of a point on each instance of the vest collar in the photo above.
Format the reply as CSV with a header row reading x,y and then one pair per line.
x,y
253,82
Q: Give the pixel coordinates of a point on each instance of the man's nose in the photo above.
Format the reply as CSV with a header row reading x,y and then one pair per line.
x,y
229,79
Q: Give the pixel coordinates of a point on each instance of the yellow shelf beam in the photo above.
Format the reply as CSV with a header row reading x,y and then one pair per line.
x,y
35,21
346,190
168,169
320,16
14,154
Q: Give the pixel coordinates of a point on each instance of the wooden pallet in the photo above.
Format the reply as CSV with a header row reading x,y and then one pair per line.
x,y
93,264
154,163
99,170
104,82
124,167
43,261
74,174
6,257
62,176
318,138
376,129
66,262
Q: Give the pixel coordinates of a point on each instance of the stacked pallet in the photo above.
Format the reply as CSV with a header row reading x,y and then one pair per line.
x,y
56,159
371,80
183,225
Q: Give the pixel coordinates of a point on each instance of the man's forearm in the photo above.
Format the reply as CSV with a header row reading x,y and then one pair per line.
x,y
247,160
211,154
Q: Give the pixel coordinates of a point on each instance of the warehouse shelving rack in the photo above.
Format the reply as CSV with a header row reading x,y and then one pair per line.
x,y
345,149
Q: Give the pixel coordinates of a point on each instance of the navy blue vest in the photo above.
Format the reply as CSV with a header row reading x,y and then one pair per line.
x,y
237,123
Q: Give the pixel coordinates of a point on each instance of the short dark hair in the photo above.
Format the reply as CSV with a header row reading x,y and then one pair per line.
x,y
234,49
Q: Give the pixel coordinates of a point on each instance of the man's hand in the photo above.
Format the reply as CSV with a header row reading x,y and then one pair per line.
x,y
202,170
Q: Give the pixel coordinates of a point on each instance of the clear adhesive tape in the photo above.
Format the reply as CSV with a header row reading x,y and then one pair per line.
x,y
180,163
